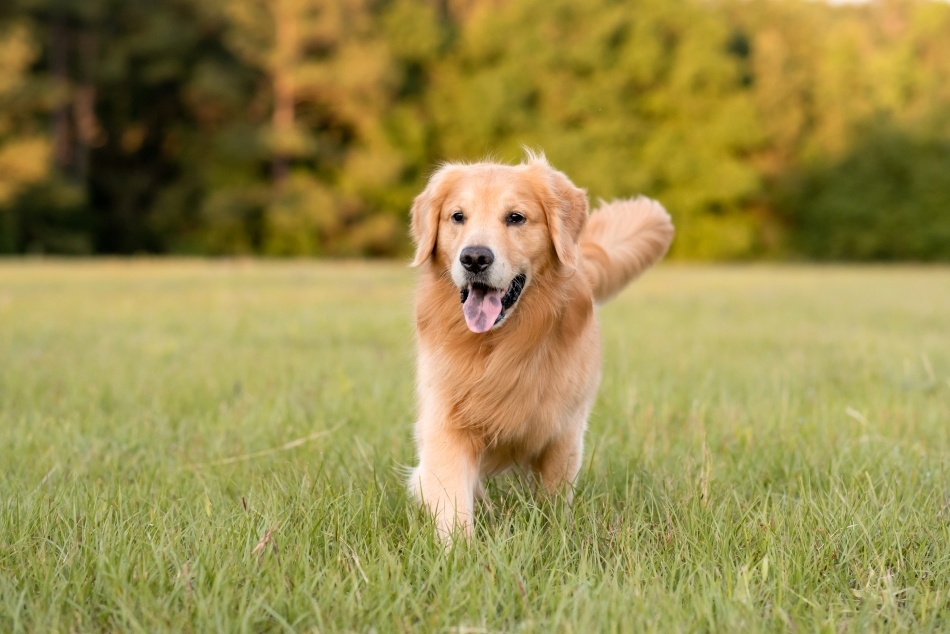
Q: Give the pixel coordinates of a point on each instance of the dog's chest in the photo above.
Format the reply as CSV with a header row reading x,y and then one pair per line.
x,y
519,396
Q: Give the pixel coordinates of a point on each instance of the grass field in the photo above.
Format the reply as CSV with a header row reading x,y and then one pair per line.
x,y
202,447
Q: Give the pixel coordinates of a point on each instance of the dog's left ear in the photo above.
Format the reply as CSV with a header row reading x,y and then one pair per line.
x,y
565,208
424,215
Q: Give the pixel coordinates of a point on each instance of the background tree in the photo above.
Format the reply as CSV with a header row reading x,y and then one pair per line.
x,y
615,97
305,127
24,149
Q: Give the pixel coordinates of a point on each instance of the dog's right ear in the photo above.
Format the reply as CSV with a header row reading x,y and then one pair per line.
x,y
424,215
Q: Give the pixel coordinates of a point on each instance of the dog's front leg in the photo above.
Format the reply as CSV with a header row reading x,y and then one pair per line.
x,y
446,480
558,464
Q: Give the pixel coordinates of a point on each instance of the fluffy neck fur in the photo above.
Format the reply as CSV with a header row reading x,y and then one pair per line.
x,y
470,369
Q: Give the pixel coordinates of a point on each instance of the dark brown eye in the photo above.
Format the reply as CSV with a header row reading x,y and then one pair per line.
x,y
514,218
458,217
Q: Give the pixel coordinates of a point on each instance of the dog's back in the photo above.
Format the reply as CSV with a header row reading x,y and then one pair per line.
x,y
622,239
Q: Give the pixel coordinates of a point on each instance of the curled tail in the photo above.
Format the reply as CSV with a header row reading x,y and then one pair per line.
x,y
622,239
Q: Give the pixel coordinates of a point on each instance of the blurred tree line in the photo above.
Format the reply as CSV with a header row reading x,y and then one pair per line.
x,y
304,127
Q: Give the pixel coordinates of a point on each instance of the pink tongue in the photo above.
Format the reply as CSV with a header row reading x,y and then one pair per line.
x,y
481,309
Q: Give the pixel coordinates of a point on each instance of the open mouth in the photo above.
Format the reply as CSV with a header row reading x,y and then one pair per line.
x,y
485,307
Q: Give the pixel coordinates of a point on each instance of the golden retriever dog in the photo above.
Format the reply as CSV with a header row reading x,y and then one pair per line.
x,y
510,269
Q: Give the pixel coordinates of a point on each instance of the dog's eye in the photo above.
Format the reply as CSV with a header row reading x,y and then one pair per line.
x,y
458,217
514,218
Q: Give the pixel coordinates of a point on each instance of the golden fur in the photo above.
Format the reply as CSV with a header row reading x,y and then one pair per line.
x,y
518,395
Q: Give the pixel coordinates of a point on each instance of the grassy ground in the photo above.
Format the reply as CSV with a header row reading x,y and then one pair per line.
x,y
770,451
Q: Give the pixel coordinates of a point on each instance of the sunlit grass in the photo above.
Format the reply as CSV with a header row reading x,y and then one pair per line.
x,y
769,452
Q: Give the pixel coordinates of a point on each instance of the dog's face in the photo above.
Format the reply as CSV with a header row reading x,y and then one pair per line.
x,y
492,228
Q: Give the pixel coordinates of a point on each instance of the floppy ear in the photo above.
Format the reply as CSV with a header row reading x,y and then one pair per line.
x,y
565,209
424,215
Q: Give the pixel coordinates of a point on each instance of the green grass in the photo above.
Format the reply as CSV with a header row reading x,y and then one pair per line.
x,y
769,452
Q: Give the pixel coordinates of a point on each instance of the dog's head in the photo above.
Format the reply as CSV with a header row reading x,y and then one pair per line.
x,y
493,228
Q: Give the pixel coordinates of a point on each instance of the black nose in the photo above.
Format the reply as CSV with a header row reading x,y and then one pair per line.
x,y
476,259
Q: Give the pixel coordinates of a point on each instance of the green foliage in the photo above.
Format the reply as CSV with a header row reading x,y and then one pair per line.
x,y
625,101
855,109
886,200
149,413
305,127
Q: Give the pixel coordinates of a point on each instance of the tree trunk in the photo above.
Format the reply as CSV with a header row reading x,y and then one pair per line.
x,y
62,128
84,104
